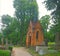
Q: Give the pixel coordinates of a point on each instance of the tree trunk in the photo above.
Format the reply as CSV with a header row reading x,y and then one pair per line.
x,y
6,43
2,41
57,40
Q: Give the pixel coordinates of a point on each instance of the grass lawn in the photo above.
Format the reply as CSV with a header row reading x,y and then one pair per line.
x,y
53,54
5,53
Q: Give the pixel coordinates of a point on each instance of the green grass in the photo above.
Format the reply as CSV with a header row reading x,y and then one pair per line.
x,y
5,53
51,43
53,54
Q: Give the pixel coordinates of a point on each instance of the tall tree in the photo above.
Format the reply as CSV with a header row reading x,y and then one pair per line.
x,y
54,5
26,10
6,20
10,28
45,21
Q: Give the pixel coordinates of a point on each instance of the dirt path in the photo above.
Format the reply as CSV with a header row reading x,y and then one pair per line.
x,y
20,51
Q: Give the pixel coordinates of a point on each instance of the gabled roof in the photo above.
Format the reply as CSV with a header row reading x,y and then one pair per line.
x,y
34,24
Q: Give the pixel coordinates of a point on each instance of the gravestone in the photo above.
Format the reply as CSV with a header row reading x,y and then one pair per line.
x,y
42,49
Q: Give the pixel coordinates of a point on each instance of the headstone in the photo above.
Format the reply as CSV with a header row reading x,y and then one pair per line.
x,y
37,48
43,50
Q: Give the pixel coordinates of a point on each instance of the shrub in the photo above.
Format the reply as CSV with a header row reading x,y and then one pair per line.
x,y
10,48
5,53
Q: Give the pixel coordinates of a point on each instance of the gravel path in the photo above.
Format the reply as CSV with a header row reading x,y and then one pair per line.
x,y
20,51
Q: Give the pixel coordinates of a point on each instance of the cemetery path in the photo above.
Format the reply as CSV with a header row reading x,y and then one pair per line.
x,y
20,51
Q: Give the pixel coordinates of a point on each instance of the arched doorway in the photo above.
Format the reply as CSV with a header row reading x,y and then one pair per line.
x,y
29,40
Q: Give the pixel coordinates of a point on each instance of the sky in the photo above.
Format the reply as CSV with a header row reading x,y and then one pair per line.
x,y
6,7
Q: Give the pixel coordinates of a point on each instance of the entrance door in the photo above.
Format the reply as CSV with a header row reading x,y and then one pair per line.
x,y
29,40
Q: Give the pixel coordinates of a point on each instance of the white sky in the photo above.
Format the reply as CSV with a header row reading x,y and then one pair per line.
x,y
6,7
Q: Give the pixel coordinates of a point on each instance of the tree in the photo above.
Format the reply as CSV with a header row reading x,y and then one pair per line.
x,y
0,37
10,28
6,19
45,21
54,5
26,10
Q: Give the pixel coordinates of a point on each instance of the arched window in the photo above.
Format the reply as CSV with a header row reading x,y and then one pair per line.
x,y
37,34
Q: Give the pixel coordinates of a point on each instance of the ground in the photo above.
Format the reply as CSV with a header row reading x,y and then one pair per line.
x,y
20,51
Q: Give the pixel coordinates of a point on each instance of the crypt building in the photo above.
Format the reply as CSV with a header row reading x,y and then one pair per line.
x,y
35,34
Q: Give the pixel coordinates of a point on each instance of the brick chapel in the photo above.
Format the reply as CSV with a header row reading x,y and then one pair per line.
x,y
34,34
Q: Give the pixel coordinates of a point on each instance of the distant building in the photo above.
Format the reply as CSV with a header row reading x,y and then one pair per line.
x,y
34,34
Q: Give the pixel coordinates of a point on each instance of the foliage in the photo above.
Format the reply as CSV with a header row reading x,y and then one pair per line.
x,y
9,29
51,36
10,48
15,28
0,37
25,10
6,19
5,53
45,21
54,5
53,54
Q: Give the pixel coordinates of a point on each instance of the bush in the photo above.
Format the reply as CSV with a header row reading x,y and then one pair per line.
x,y
51,45
5,53
10,48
